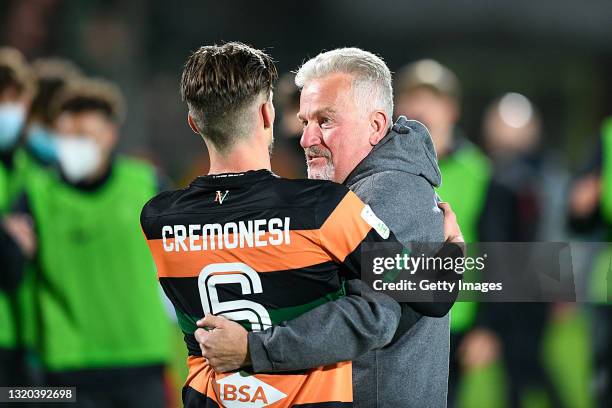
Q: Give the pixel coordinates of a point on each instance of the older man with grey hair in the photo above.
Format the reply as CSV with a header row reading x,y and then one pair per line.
x,y
345,107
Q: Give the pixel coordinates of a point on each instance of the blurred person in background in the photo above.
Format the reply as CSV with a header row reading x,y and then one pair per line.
x,y
287,154
16,88
590,214
95,282
512,132
51,75
430,93
35,155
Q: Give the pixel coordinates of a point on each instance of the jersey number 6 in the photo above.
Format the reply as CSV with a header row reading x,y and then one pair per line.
x,y
236,273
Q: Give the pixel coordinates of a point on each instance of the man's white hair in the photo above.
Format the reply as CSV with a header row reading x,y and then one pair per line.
x,y
372,78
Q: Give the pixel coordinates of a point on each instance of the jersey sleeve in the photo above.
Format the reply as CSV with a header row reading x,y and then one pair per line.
x,y
351,225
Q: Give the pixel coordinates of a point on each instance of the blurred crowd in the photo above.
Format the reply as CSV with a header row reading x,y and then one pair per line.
x,y
80,305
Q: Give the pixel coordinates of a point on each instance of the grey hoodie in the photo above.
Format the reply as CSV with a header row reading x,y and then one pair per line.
x,y
400,359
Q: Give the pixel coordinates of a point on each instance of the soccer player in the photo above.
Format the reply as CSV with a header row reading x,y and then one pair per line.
x,y
253,247
95,282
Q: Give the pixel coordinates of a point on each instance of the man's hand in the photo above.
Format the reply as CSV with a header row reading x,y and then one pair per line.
x,y
19,227
224,345
452,232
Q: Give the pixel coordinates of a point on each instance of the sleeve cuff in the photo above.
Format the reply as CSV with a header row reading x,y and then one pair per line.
x,y
260,360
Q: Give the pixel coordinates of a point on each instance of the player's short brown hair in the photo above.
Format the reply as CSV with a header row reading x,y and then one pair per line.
x,y
14,71
86,94
220,83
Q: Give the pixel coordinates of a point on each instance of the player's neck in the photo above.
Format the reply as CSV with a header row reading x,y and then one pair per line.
x,y
241,158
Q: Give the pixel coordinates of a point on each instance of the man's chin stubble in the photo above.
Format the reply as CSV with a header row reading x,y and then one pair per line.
x,y
322,174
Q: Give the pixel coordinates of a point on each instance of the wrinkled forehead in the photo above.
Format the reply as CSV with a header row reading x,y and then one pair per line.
x,y
332,92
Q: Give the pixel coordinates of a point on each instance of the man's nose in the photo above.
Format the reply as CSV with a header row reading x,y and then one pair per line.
x,y
311,136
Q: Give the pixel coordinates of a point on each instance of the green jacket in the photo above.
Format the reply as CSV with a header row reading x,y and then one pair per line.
x,y
98,299
466,174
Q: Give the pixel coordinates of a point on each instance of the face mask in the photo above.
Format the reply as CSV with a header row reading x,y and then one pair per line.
x,y
12,117
79,157
42,143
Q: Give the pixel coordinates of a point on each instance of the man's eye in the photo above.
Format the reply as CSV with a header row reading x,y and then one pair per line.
x,y
325,122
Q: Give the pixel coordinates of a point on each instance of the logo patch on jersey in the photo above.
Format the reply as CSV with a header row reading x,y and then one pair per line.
x,y
368,216
237,391
220,197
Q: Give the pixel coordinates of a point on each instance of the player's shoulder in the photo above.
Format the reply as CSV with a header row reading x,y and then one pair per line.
x,y
161,203
332,198
312,193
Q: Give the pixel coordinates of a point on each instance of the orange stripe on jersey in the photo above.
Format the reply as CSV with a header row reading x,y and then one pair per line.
x,y
303,250
345,228
324,384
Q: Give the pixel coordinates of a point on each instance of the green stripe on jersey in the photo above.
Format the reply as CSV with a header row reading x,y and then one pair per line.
x,y
188,325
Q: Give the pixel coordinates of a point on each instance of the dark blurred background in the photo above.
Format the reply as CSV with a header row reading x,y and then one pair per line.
x,y
557,53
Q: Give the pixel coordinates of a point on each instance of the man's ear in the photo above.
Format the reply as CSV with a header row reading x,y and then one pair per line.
x,y
267,113
379,125
192,124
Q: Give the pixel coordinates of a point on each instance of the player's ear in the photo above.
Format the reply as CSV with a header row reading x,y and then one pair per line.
x,y
379,124
192,124
268,113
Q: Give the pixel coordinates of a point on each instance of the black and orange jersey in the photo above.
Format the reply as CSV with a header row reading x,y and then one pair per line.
x,y
260,250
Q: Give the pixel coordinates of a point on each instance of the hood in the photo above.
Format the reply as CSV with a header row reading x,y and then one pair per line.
x,y
406,148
